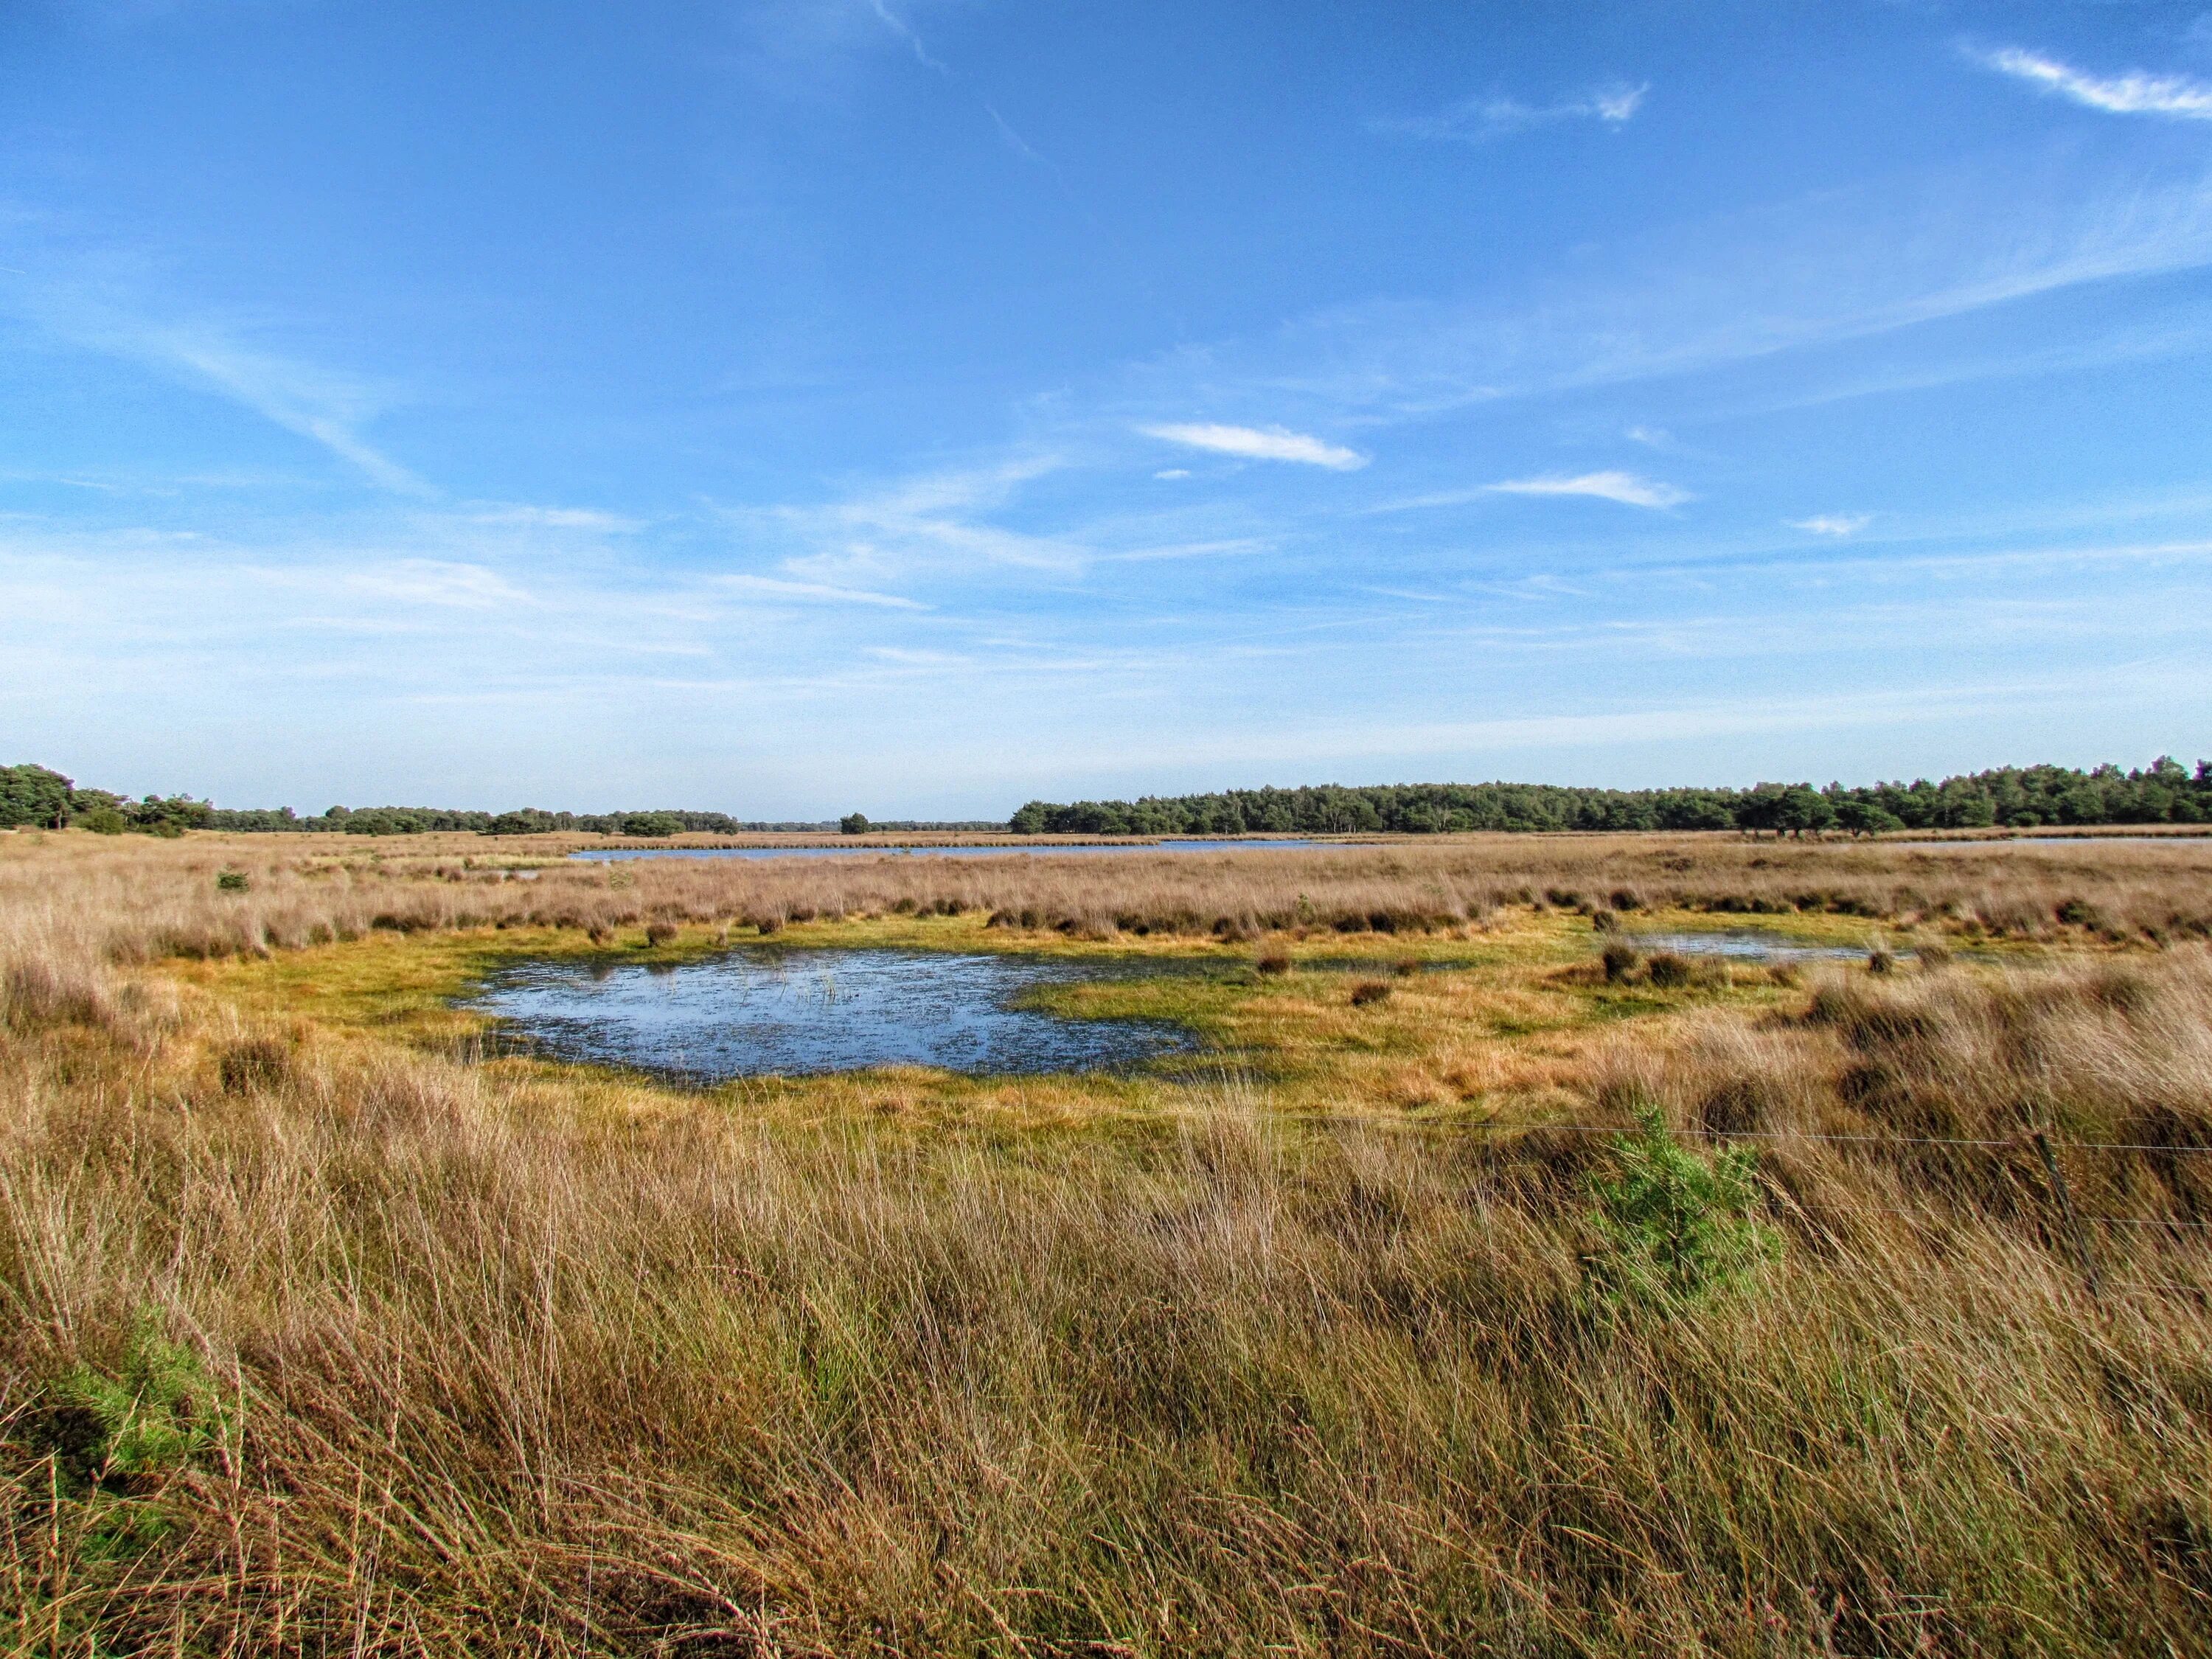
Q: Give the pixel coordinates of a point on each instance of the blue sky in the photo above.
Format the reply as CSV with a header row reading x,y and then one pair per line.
x,y
922,405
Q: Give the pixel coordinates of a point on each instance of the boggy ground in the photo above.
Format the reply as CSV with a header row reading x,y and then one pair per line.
x,y
1471,1021
325,1334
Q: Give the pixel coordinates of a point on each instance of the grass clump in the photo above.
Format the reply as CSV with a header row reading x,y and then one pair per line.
x,y
254,1064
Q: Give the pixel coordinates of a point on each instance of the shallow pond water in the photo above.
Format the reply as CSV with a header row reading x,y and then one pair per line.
x,y
761,1012
1743,945
609,855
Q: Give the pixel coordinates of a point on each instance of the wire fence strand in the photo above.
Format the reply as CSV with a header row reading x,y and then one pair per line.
x,y
1808,1135
2020,1142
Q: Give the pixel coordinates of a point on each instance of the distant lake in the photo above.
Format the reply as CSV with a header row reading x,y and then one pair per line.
x,y
762,1011
608,856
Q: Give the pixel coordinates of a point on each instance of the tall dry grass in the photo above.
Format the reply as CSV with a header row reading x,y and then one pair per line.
x,y
84,898
454,1367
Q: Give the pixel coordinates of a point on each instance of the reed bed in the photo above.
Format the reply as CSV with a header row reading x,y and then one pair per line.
x,y
416,1357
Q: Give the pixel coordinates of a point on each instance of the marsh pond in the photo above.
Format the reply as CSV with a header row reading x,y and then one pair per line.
x,y
785,1011
796,1013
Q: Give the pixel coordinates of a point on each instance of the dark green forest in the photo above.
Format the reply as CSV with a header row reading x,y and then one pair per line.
x,y
2013,797
37,796
2010,796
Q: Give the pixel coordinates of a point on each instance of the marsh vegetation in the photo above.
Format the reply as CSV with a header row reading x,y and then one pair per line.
x,y
1532,1300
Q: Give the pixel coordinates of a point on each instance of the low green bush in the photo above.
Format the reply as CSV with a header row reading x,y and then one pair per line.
x,y
1675,1227
157,1412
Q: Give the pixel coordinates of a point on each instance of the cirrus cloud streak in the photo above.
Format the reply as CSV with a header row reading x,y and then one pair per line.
x,y
1479,118
1625,488
1259,444
2133,94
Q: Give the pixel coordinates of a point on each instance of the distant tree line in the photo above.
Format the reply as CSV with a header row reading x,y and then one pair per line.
x,y
2013,797
37,796
523,821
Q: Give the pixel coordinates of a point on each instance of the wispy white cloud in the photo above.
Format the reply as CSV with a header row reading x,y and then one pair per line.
x,y
1834,524
434,582
326,408
1259,444
938,524
92,310
327,639
824,591
906,657
905,32
1172,472
1231,547
523,515
1366,741
2133,94
1477,120
1847,264
1625,488
1026,150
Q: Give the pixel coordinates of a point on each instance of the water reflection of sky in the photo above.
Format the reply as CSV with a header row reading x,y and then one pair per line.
x,y
767,1012
609,855
1741,944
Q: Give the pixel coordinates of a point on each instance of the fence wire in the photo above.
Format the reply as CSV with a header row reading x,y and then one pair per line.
x,y
2017,1144
1807,1134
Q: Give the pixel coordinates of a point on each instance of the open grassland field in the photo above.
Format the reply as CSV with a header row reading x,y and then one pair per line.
x,y
332,1324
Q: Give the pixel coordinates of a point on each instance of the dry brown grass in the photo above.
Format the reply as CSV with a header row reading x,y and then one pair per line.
x,y
80,896
502,1373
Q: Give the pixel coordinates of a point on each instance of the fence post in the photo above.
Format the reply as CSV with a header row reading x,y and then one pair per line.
x,y
2074,1228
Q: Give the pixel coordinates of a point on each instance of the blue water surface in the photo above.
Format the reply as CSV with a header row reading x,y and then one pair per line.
x,y
605,855
764,1012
